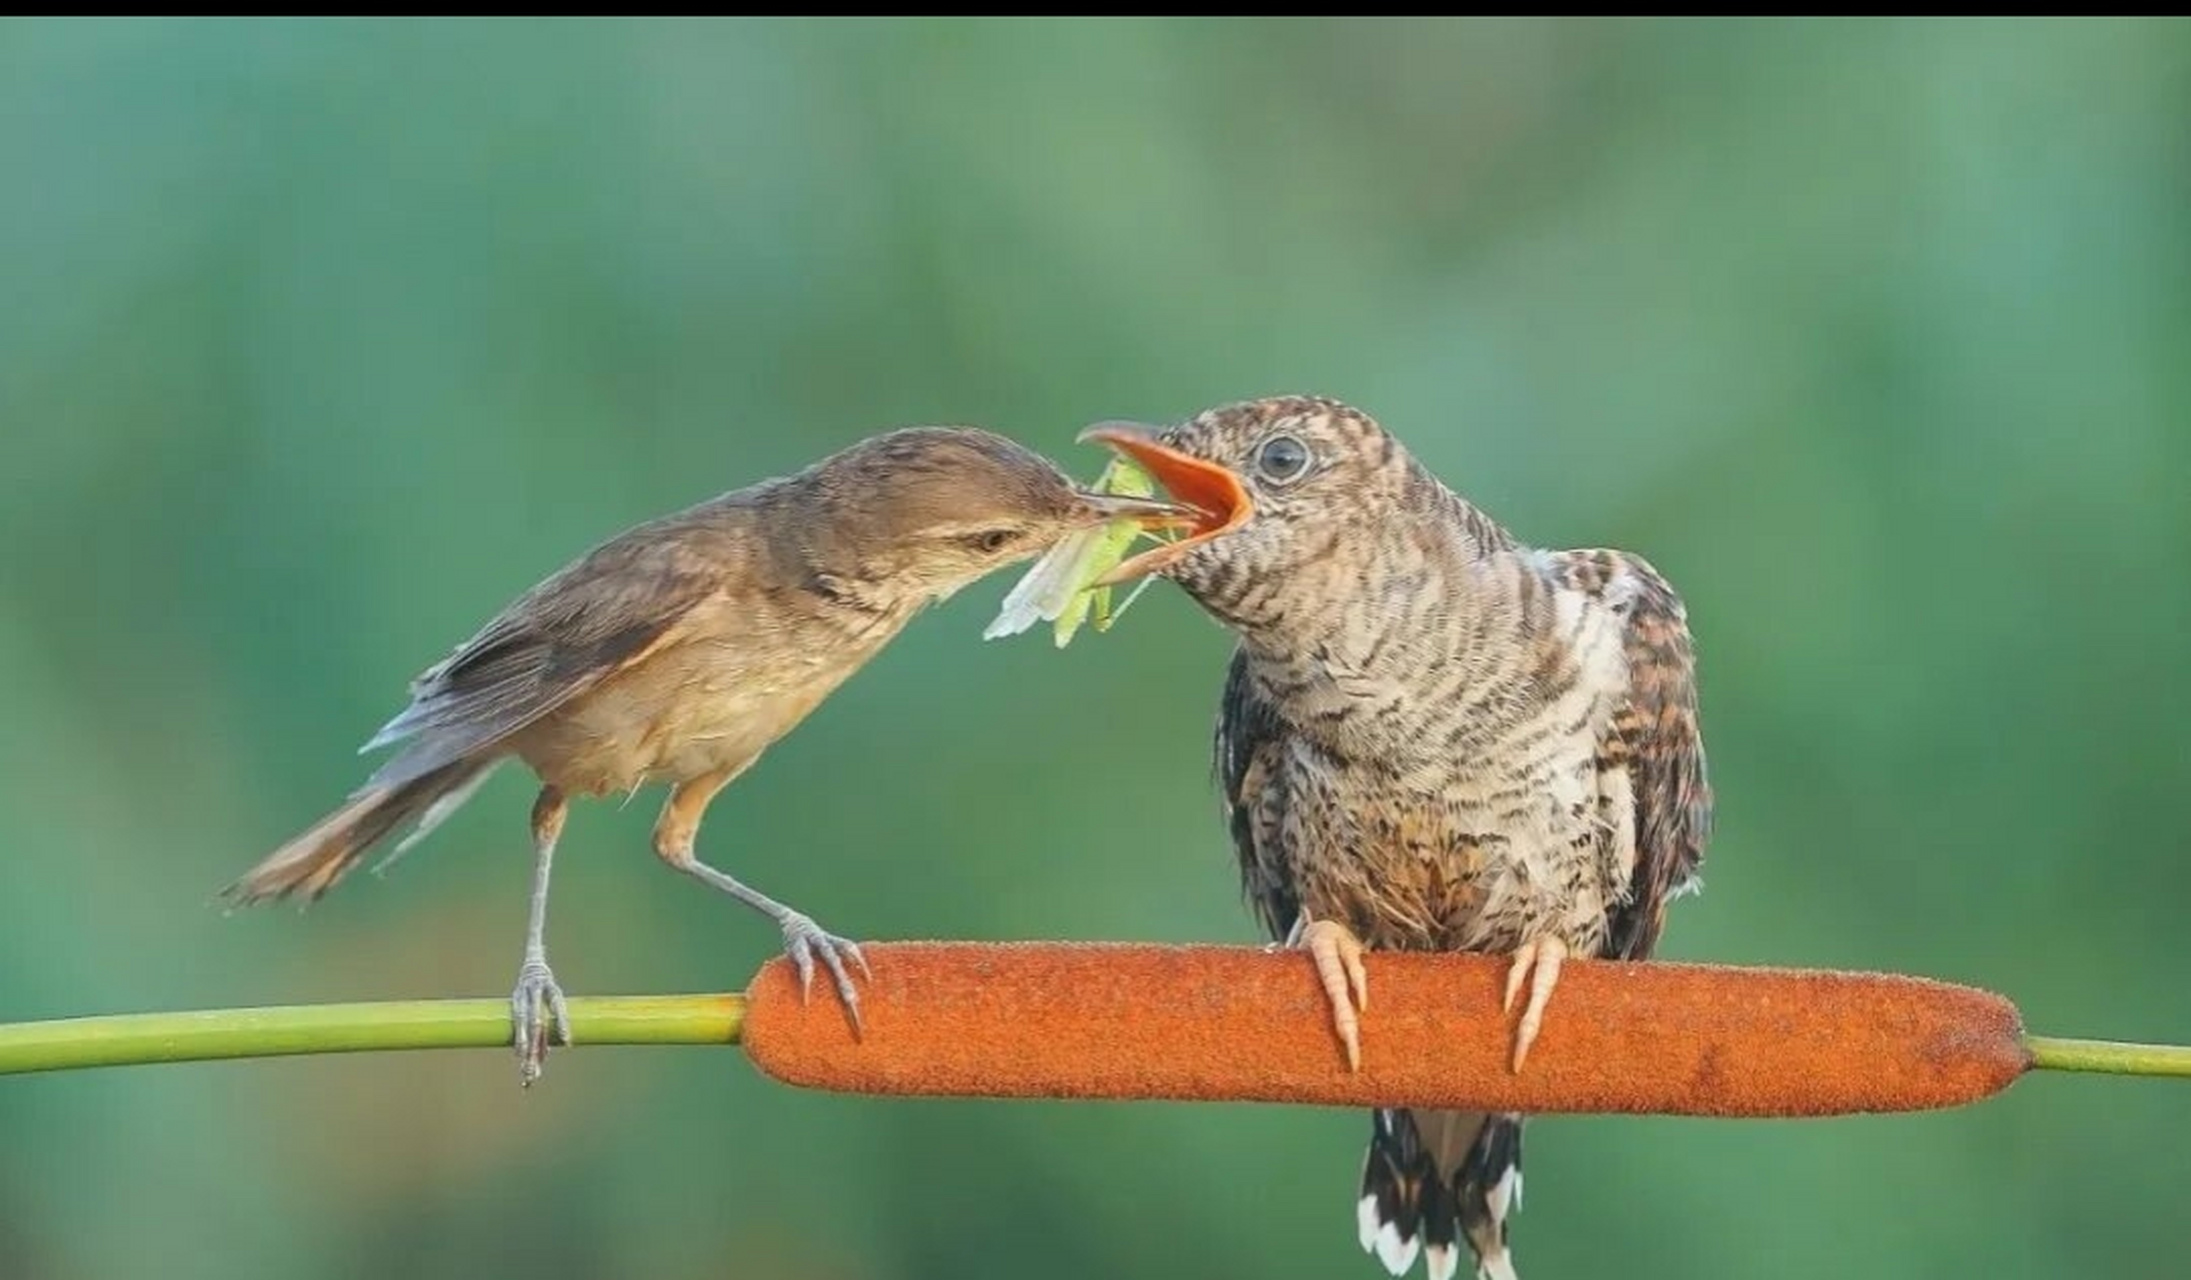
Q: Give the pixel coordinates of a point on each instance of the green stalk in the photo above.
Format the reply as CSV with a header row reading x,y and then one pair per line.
x,y
2058,1053
132,1039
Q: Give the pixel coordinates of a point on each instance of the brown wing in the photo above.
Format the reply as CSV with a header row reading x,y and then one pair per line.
x,y
1654,738
591,619
1250,739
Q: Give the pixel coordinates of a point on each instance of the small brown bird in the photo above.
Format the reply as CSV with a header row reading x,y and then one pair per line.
x,y
1432,737
679,650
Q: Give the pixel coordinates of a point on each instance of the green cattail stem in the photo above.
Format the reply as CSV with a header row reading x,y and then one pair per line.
x,y
2058,1053
198,1036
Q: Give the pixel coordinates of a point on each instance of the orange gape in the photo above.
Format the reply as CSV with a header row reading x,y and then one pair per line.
x,y
1242,1024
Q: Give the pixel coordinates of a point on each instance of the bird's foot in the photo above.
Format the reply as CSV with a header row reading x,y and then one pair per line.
x,y
805,940
1338,957
537,1012
1536,962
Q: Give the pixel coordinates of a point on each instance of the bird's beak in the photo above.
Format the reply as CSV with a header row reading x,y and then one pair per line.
x,y
1149,513
1219,503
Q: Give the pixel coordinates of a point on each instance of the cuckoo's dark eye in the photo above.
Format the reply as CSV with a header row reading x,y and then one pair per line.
x,y
990,541
1282,459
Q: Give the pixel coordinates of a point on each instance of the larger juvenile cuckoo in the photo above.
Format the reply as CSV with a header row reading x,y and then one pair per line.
x,y
1433,736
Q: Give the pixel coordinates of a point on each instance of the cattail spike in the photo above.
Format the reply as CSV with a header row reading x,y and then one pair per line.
x,y
1065,1020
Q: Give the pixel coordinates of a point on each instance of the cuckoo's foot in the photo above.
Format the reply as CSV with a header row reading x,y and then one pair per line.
x,y
1537,962
1338,957
805,941
537,1013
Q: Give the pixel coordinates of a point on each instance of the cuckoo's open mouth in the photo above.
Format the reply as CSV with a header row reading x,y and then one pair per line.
x,y
1213,491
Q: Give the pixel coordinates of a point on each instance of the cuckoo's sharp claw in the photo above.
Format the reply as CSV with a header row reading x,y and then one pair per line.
x,y
1338,957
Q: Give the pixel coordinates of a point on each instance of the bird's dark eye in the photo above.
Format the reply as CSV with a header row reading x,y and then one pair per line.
x,y
1282,459
990,541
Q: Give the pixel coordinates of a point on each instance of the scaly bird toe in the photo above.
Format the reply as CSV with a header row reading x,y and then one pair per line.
x,y
537,1014
1338,957
804,941
1537,962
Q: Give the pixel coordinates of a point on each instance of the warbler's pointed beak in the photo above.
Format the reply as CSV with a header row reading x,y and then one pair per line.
x,y
1219,502
1149,513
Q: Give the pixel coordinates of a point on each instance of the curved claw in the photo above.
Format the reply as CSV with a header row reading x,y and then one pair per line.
x,y
537,1013
1537,965
803,941
1338,957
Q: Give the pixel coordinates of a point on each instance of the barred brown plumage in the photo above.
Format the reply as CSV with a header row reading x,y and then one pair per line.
x,y
1433,736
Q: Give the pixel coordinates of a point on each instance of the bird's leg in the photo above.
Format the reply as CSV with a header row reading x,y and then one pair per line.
x,y
1338,957
1536,961
674,835
537,1002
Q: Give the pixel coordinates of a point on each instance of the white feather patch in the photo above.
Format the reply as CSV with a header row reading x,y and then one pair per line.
x,y
1367,1221
1397,1254
1499,1266
1505,1194
1441,1261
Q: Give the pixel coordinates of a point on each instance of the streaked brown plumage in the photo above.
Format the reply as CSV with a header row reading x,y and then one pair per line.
x,y
678,650
1432,737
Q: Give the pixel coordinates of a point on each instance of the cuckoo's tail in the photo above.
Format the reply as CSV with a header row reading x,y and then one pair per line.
x,y
311,862
1434,1178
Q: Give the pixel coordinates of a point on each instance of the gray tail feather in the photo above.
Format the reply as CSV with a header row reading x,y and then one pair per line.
x,y
312,862
1434,1178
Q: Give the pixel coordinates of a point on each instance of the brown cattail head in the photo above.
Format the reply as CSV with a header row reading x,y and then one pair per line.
x,y
1208,1023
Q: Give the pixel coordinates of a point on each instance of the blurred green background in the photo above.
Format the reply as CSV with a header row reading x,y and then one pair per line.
x,y
318,341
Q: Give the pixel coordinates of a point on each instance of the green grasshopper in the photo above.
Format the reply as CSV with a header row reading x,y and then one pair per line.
x,y
1057,588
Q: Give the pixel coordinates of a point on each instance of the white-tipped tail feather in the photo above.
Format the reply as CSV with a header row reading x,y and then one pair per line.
x,y
1383,1239
1431,1180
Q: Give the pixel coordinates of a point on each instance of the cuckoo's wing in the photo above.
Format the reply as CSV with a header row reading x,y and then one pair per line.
x,y
1653,741
1248,748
